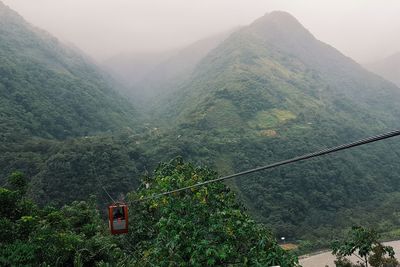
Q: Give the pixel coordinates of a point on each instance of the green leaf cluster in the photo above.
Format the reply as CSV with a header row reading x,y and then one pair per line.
x,y
74,235
203,226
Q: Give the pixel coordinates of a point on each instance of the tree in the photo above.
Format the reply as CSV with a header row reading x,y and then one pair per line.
x,y
18,182
204,226
363,243
74,235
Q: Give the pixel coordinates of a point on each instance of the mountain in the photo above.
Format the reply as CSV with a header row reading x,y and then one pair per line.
x,y
272,91
150,74
165,76
48,90
60,118
388,68
274,50
263,93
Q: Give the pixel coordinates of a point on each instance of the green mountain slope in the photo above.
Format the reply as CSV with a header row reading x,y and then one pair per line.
x,y
48,90
276,63
57,112
271,91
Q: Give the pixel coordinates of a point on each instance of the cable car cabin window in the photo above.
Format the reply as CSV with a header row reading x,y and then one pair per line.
x,y
118,218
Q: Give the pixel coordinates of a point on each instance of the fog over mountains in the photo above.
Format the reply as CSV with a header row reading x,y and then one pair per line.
x,y
264,92
364,30
50,90
272,91
151,73
49,93
388,68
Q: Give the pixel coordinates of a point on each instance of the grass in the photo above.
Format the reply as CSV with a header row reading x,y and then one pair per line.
x,y
270,119
289,246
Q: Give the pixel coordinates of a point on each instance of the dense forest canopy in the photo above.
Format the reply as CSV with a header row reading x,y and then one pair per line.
x,y
202,227
49,90
262,93
49,95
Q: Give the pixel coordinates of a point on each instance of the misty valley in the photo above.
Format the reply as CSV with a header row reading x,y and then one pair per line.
x,y
77,135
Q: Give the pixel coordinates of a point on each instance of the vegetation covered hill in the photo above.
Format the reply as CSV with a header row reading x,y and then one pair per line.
x,y
50,94
276,63
271,91
48,90
389,68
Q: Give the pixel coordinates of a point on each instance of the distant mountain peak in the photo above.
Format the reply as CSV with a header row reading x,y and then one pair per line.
x,y
283,30
396,56
281,19
4,7
281,26
9,15
389,68
280,15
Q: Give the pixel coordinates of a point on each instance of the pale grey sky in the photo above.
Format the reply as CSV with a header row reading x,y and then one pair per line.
x,y
362,29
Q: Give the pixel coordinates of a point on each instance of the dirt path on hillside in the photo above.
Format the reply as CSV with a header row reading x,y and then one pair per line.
x,y
326,258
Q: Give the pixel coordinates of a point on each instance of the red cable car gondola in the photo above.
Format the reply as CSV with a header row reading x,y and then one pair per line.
x,y
118,218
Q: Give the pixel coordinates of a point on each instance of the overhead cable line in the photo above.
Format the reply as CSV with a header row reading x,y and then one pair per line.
x,y
361,142
105,190
101,184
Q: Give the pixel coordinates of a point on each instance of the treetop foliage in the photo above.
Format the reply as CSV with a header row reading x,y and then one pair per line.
x,y
365,243
201,227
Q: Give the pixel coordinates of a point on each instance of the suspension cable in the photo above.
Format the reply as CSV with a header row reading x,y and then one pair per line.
x,y
101,184
326,151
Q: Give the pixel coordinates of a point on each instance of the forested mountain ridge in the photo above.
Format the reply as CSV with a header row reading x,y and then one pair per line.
x,y
53,101
277,49
272,91
48,90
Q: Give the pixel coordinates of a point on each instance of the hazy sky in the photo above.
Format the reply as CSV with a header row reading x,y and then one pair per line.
x,y
363,29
